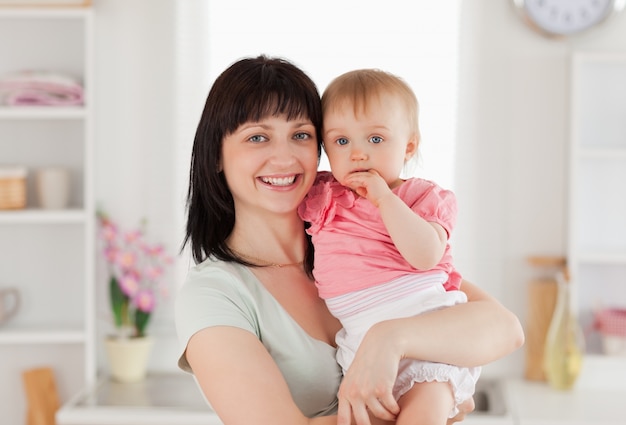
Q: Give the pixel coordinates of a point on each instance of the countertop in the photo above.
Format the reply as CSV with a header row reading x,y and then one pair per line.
x,y
160,399
598,398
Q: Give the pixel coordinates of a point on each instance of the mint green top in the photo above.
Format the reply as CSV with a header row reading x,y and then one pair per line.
x,y
218,293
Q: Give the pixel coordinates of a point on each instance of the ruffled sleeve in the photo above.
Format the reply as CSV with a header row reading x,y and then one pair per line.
x,y
320,204
435,204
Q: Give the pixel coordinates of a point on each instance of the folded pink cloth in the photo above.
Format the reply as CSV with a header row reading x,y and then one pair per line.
x,y
40,88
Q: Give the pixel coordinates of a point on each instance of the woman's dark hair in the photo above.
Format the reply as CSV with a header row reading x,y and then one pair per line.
x,y
249,90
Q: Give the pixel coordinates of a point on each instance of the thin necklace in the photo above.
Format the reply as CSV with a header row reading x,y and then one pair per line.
x,y
264,263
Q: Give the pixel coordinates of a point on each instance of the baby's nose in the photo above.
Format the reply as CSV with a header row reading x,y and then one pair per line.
x,y
358,154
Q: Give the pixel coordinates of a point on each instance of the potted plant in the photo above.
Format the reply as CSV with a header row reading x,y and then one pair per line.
x,y
136,269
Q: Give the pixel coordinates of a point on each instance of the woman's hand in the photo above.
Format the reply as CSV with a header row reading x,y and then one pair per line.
x,y
367,386
478,332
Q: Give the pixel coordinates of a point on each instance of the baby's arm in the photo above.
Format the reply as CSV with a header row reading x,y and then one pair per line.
x,y
421,243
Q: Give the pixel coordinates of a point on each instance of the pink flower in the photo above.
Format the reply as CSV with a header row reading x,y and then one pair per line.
x,y
129,284
126,259
144,300
109,232
111,253
138,267
153,272
132,236
154,250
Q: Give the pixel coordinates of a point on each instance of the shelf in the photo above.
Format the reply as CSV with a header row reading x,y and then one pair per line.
x,y
44,12
617,154
31,335
42,112
602,258
38,216
48,255
597,206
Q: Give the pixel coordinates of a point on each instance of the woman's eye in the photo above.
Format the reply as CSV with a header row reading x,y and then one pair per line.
x,y
342,141
257,138
376,139
302,136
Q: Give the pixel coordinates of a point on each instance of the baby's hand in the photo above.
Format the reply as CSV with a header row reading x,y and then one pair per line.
x,y
368,184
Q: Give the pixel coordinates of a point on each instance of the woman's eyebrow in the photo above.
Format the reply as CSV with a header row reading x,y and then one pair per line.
x,y
304,124
254,124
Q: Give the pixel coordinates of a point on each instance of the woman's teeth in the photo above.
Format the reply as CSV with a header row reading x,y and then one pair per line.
x,y
279,181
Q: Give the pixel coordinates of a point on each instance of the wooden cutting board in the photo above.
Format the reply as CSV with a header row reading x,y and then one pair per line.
x,y
42,396
542,295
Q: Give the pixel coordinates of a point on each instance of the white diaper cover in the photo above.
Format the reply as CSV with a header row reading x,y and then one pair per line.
x,y
461,380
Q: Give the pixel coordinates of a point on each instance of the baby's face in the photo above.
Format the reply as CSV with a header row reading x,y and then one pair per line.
x,y
377,137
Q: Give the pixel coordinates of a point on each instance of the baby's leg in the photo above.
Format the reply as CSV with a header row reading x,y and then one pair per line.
x,y
426,403
376,421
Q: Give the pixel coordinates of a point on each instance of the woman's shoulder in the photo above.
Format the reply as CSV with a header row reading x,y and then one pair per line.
x,y
213,265
218,275
217,293
218,283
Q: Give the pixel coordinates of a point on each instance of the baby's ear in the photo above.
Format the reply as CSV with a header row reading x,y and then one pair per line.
x,y
411,147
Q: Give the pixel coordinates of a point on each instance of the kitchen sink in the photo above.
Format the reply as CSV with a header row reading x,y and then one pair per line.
x,y
490,398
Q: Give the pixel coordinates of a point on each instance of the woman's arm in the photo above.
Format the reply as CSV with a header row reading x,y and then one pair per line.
x,y
241,381
471,334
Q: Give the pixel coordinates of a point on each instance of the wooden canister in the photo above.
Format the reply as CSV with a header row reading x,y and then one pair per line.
x,y
542,295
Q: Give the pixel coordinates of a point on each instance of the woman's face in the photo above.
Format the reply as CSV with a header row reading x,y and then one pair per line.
x,y
270,165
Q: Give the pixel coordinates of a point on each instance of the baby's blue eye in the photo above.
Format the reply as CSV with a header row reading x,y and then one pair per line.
x,y
376,139
342,141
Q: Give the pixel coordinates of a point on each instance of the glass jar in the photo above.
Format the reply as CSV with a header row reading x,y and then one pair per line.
x,y
565,342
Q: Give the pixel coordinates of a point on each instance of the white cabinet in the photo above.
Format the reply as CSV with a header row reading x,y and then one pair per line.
x,y
597,213
48,254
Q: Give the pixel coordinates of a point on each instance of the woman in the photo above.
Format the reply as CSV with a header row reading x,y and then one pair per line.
x,y
258,339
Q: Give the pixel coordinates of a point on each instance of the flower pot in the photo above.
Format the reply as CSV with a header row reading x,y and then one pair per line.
x,y
128,357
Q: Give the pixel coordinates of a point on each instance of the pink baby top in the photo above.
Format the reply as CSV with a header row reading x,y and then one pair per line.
x,y
353,249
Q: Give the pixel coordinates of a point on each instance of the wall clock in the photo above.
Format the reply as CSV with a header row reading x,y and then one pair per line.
x,y
566,17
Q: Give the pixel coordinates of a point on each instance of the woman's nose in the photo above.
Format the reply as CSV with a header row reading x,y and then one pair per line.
x,y
283,153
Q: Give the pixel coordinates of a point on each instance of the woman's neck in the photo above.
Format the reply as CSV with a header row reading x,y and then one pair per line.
x,y
274,239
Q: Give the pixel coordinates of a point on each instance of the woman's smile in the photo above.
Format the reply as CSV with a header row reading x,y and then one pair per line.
x,y
279,181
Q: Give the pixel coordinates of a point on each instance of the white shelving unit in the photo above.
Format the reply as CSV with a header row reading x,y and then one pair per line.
x,y
597,221
48,254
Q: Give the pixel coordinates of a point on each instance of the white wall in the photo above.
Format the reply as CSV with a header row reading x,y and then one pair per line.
x,y
512,147
512,128
134,132
329,37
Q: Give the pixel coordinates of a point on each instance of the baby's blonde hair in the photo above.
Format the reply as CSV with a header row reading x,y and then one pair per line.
x,y
360,87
